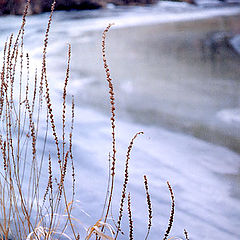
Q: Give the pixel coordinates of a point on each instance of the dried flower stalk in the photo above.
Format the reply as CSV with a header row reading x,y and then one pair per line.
x,y
171,218
130,218
149,206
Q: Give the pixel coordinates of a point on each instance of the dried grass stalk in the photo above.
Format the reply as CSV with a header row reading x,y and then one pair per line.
x,y
149,205
112,102
130,218
171,218
125,182
186,234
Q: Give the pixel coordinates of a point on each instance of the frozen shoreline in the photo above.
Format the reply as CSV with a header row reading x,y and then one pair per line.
x,y
158,37
162,12
198,14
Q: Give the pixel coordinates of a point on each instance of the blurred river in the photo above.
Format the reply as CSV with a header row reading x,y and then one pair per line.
x,y
174,68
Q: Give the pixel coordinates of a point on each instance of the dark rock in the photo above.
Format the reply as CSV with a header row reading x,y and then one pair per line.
x,y
37,6
11,6
187,1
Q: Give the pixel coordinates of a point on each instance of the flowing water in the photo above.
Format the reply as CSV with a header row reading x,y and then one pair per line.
x,y
170,72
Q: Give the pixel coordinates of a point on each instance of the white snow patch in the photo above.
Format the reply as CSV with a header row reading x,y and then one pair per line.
x,y
229,115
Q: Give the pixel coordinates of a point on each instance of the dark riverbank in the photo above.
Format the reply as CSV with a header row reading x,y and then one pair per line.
x,y
16,7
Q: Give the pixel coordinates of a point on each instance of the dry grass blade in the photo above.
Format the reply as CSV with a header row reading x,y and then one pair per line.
x,y
95,229
108,185
149,206
171,218
41,233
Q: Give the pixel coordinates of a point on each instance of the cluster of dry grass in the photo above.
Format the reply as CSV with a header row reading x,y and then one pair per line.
x,y
26,213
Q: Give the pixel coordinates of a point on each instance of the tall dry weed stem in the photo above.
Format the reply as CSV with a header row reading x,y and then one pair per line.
x,y
186,234
112,102
126,178
26,212
149,203
130,218
171,218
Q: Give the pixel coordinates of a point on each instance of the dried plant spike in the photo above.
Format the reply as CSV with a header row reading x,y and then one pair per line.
x,y
44,77
3,84
130,218
70,150
64,100
171,218
125,182
63,174
8,60
21,30
112,102
35,90
45,45
149,205
186,234
28,76
50,176
71,130
111,95
71,154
